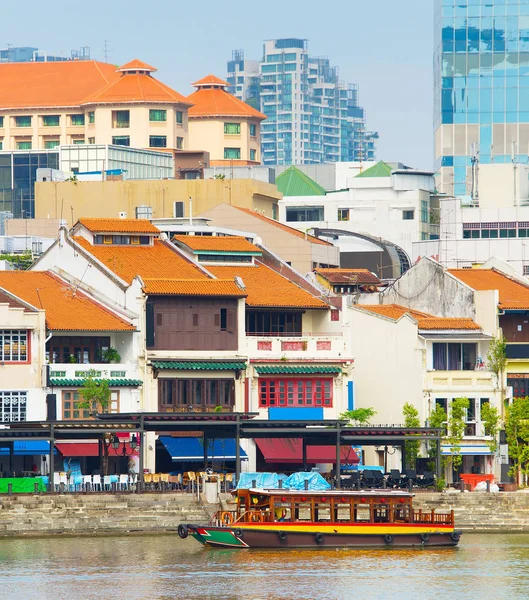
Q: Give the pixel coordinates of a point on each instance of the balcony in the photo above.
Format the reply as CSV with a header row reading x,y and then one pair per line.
x,y
442,380
313,345
63,374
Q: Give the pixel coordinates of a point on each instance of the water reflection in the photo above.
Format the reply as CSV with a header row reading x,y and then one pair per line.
x,y
163,567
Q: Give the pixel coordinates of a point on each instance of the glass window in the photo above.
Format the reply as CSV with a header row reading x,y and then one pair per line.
x,y
23,145
232,153
91,140
454,356
158,141
13,406
232,128
295,392
253,154
23,121
179,117
51,120
180,143
343,214
49,144
91,117
1,122
121,140
157,116
408,215
253,129
424,212
13,345
78,141
77,120
305,213
120,119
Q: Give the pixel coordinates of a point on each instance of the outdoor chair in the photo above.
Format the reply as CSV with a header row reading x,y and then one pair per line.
x,y
96,482
426,480
368,479
87,483
378,479
395,479
147,481
123,482
107,483
411,475
164,481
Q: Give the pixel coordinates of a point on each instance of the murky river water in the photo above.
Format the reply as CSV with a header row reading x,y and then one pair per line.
x,y
483,566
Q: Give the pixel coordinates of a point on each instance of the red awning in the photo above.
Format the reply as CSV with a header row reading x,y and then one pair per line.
x,y
290,450
85,449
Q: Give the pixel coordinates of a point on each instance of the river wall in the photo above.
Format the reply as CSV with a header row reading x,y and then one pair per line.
x,y
101,514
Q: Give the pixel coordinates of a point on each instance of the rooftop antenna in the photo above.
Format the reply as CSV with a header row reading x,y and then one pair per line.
x,y
474,161
107,50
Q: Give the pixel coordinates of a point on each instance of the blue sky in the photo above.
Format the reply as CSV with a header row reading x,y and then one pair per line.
x,y
383,45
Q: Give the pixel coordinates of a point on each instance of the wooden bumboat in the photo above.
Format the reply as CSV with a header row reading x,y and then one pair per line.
x,y
280,518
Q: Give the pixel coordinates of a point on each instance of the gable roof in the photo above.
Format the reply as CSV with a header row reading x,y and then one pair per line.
x,y
193,287
266,288
348,276
424,320
381,169
294,182
99,225
311,238
513,294
235,243
159,261
67,308
52,84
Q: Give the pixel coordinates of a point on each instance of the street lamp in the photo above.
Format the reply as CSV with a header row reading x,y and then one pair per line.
x,y
122,449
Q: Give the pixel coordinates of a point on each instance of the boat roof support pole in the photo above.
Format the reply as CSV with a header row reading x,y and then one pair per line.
x,y
438,456
237,451
337,470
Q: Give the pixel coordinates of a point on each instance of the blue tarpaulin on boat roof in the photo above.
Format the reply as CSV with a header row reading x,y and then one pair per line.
x,y
297,481
262,480
28,448
192,449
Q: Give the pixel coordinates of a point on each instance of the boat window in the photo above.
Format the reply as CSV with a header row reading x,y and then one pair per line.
x,y
381,512
342,510
322,509
401,513
302,511
362,513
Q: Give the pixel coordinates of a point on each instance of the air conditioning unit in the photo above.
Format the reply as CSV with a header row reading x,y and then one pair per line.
x,y
122,215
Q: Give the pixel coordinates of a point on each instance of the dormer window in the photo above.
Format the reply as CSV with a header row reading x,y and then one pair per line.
x,y
222,258
122,240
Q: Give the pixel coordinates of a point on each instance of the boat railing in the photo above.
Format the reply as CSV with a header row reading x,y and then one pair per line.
x,y
433,518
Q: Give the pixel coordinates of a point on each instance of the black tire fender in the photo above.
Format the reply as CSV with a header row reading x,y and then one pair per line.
x,y
388,539
238,533
319,538
282,535
183,531
455,536
424,537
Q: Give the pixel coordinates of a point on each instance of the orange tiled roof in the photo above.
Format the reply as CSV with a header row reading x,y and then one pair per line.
x,y
209,80
348,276
513,294
424,320
67,309
235,243
98,225
136,65
265,287
216,102
311,238
193,287
52,84
160,261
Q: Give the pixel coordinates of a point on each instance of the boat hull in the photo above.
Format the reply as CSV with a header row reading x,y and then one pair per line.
x,y
256,536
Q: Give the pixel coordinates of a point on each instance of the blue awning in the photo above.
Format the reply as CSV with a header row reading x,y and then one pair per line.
x,y
192,449
467,450
28,448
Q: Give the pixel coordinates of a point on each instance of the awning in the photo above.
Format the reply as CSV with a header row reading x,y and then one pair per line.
x,y
192,450
290,450
87,449
27,448
78,382
206,365
298,370
467,451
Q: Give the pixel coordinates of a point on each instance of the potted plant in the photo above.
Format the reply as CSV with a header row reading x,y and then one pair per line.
x,y
111,355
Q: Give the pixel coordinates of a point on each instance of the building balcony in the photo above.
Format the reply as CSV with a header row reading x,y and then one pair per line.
x,y
445,380
69,374
313,345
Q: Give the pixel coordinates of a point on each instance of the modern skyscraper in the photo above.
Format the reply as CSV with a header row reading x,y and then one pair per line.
x,y
312,117
481,85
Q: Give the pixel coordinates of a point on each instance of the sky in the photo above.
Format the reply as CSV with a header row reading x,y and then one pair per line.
x,y
383,45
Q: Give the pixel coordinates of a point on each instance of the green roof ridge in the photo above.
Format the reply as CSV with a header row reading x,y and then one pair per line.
x,y
294,182
381,169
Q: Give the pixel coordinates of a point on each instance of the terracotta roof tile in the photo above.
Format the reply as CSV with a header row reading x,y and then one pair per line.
x,y
193,287
119,225
160,261
424,320
265,287
216,102
67,309
52,84
311,238
230,243
348,276
513,294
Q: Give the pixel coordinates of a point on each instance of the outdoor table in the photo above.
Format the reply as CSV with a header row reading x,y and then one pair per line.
x,y
21,485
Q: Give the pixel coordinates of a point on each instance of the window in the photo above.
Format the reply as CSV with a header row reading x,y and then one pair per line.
x,y
48,144
178,211
51,120
1,122
454,356
120,119
408,215
91,140
13,406
424,212
23,121
179,117
205,394
343,214
180,143
253,154
304,213
295,392
253,130
23,145
1,144
13,345
223,319
157,116
77,120
232,128
276,323
91,117
121,140
78,141
232,153
526,269
158,141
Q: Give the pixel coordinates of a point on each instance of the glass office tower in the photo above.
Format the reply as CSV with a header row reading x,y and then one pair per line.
x,y
481,87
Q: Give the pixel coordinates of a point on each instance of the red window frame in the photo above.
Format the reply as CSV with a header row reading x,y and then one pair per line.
x,y
290,392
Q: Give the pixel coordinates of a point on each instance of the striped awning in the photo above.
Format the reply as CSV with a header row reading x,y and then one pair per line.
x,y
466,450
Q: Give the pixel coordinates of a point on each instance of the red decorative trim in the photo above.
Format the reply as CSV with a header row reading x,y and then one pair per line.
x,y
323,345
264,345
293,346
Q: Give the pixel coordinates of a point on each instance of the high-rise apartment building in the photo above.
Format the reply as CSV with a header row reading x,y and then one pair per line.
x,y
481,84
31,54
312,117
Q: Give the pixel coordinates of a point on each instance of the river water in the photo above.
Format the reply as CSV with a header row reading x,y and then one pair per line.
x,y
164,567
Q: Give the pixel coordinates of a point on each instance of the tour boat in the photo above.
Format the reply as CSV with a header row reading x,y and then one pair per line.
x,y
280,518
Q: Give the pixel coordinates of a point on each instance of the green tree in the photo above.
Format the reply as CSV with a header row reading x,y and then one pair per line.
x,y
497,361
358,416
517,432
456,429
490,417
411,419
437,420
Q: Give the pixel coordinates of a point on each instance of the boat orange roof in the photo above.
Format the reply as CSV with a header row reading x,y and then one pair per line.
x,y
217,243
67,308
52,84
99,225
424,320
212,100
513,294
266,287
159,261
193,287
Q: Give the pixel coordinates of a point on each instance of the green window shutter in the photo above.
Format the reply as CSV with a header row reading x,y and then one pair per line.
x,y
23,145
157,116
232,128
23,121
232,153
51,120
77,120
48,144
